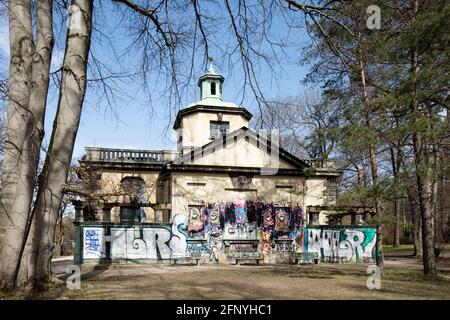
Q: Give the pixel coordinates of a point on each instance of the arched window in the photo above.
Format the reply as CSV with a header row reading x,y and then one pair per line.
x,y
213,88
133,190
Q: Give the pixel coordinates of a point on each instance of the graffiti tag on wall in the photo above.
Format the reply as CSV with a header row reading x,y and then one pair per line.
x,y
93,243
160,242
342,244
150,242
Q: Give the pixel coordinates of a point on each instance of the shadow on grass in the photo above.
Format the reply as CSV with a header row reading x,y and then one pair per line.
x,y
57,288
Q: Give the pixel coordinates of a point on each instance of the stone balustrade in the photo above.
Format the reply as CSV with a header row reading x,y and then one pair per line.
x,y
164,156
128,155
320,163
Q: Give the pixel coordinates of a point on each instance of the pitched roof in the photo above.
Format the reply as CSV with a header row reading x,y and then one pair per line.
x,y
260,141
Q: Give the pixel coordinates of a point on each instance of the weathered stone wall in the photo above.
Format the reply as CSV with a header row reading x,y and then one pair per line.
x,y
195,188
195,127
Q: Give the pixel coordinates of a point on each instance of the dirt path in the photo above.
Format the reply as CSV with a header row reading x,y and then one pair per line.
x,y
402,280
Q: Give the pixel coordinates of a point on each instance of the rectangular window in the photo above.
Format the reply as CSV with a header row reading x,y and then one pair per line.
x,y
196,184
218,129
284,187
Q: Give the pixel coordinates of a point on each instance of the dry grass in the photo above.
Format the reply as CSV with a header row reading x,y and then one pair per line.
x,y
323,281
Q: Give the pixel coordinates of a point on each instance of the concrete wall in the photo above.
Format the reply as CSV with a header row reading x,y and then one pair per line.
x,y
187,188
156,242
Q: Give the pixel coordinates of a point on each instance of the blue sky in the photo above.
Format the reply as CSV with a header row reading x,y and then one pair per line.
x,y
133,125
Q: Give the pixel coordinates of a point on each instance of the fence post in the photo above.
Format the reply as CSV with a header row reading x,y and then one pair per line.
x,y
379,247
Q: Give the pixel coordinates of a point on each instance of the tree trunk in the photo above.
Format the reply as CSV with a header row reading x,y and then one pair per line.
x,y
397,223
424,190
38,101
417,226
372,147
18,113
395,168
58,159
421,160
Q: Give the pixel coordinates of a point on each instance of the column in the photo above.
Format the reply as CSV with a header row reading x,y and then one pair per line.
x,y
106,216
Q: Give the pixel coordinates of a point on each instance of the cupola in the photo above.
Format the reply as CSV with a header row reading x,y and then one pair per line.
x,y
211,84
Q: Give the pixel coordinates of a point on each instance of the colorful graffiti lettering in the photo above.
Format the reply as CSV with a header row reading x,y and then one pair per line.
x,y
342,244
220,241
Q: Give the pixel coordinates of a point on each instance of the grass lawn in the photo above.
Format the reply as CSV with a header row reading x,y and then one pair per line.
x,y
402,250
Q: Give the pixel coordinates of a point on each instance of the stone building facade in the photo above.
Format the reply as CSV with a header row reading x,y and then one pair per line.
x,y
162,204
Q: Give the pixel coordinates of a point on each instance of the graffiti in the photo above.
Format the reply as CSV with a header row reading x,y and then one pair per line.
x,y
268,220
241,247
281,246
243,250
240,211
215,243
244,255
342,244
209,247
281,220
196,222
240,231
149,242
197,247
298,237
94,244
266,243
179,235
213,217
275,232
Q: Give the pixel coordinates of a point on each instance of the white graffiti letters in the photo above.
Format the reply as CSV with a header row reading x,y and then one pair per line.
x,y
152,245
356,238
357,245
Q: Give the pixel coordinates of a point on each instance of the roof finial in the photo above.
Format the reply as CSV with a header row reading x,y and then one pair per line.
x,y
211,67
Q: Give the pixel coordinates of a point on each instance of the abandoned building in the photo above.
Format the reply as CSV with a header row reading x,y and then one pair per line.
x,y
226,192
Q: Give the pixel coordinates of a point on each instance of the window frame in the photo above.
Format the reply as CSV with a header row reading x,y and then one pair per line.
x,y
218,131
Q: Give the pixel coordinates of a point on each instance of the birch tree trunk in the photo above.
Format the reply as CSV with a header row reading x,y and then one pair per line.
x,y
65,127
38,101
19,114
